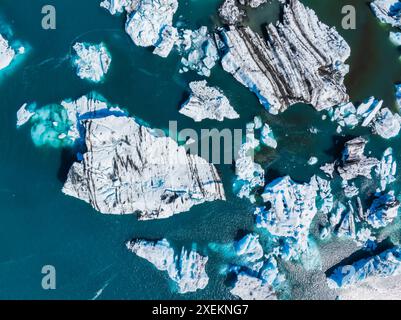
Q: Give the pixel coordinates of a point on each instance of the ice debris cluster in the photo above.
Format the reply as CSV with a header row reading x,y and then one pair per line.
x,y
187,270
207,102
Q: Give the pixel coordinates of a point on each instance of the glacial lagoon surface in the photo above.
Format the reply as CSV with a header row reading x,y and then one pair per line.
x,y
42,226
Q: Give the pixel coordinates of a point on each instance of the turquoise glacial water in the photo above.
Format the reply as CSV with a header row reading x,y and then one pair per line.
x,y
41,226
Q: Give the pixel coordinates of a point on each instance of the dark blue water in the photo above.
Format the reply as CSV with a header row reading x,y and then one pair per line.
x,y
41,226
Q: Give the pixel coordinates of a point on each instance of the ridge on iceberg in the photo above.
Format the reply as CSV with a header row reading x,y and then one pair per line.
x,y
266,66
248,287
387,11
207,103
385,264
128,169
92,61
187,270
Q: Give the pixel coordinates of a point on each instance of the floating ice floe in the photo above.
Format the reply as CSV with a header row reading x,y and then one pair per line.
x,y
386,169
290,209
248,287
398,94
383,265
25,113
267,137
187,270
395,38
312,161
383,211
368,114
92,61
127,168
207,103
151,24
249,248
198,50
230,12
266,68
354,163
250,175
7,53
118,6
387,11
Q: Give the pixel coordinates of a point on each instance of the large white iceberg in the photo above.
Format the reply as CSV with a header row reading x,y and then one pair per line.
x,y
207,103
384,210
92,61
187,270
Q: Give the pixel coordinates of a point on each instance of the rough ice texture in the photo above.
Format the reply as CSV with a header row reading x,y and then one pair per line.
x,y
230,13
369,113
207,103
354,163
386,169
119,6
388,11
283,70
248,287
249,248
383,210
384,265
24,114
7,53
290,209
250,175
92,61
267,137
151,24
253,3
198,50
187,270
127,169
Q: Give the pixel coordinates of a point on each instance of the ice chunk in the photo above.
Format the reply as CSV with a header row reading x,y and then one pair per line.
x,y
25,113
92,61
249,248
207,103
267,137
386,169
387,124
7,53
395,38
187,270
383,210
387,11
386,264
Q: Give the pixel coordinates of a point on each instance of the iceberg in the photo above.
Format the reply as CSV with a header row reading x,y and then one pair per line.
x,y
250,175
386,169
395,38
387,124
119,6
24,114
92,61
230,13
267,137
398,95
187,270
198,50
385,264
266,66
387,11
248,287
354,163
383,211
7,54
207,103
249,248
151,24
290,209
128,169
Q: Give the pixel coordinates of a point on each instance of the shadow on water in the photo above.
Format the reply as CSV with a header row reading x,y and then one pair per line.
x,y
337,146
362,254
67,158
